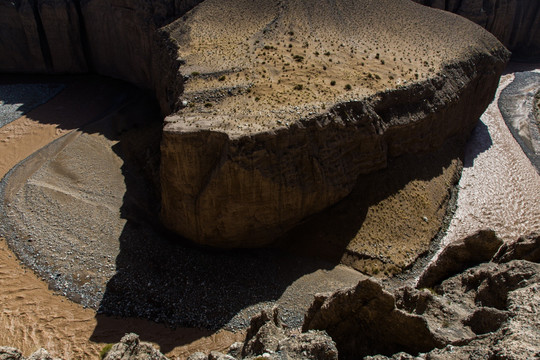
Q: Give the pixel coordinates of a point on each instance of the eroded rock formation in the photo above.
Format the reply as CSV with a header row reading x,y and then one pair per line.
x,y
489,309
267,136
115,38
516,23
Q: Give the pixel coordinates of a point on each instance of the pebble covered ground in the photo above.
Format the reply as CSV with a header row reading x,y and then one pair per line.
x,y
17,99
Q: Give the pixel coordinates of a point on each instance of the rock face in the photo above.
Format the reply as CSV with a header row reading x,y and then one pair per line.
x,y
463,254
115,38
516,23
131,348
9,353
266,138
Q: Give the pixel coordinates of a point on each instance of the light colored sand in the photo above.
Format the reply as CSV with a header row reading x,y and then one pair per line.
x,y
499,188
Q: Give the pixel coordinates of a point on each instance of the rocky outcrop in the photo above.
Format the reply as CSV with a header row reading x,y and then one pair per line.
x,y
456,257
280,118
526,247
364,320
226,187
516,23
489,309
9,353
131,348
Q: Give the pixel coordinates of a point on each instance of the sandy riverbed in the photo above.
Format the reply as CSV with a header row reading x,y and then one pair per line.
x,y
32,316
499,186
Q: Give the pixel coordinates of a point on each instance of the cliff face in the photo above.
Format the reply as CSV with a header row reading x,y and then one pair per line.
x,y
516,23
226,187
116,38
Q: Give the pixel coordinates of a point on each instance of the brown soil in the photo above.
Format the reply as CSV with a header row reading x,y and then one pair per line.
x,y
390,218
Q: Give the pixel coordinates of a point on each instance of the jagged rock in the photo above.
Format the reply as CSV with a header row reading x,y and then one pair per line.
x,y
216,355
267,337
41,354
198,356
10,353
130,348
477,248
496,303
526,247
364,320
516,23
486,320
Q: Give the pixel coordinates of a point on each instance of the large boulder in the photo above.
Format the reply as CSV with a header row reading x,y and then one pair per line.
x,y
131,348
363,320
288,107
285,104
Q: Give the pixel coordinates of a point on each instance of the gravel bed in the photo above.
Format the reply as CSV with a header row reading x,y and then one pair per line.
x,y
18,99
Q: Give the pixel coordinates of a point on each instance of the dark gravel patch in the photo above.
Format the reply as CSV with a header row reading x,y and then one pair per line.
x,y
18,99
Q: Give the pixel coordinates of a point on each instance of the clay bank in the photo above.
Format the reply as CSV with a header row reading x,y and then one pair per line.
x,y
274,109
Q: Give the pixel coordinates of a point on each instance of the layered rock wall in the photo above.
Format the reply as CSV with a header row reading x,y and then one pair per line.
x,y
118,38
516,23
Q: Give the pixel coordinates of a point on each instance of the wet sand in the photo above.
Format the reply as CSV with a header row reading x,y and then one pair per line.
x,y
499,187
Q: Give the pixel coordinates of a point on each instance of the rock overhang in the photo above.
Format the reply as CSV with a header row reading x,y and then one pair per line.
x,y
277,126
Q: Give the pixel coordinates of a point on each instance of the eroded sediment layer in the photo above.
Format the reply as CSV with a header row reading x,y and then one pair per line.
x,y
516,23
268,136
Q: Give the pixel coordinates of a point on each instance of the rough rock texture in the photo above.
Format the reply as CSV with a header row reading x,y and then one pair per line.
x,y
226,187
229,178
130,348
364,320
463,254
516,23
526,247
489,310
267,337
9,353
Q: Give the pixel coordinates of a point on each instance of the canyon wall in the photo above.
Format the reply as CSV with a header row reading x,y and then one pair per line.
x,y
116,38
516,23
